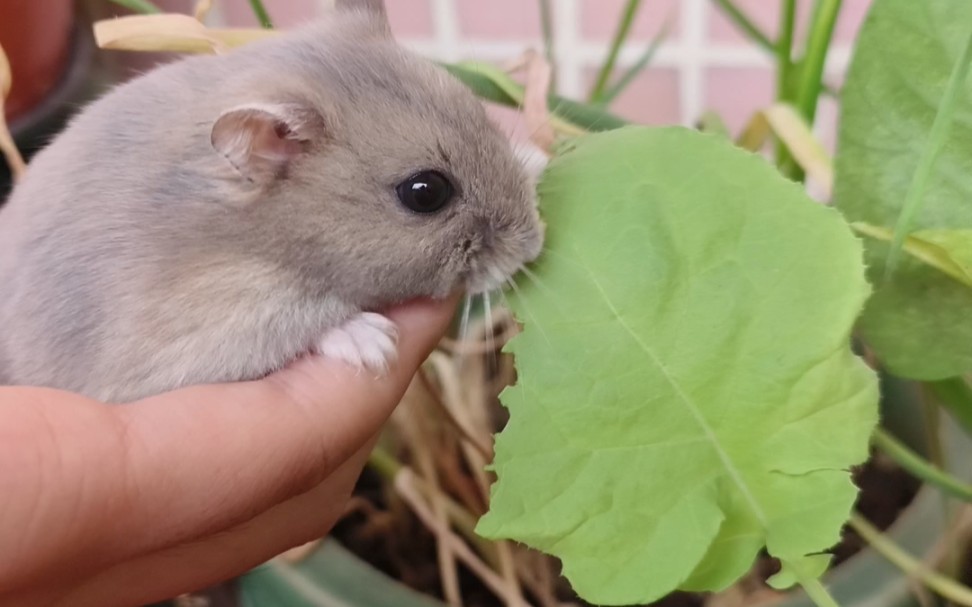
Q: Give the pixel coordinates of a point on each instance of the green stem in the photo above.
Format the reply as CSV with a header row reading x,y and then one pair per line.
x,y
818,593
784,74
926,164
784,49
815,590
746,24
260,12
956,396
139,6
549,40
912,567
624,27
815,59
628,77
921,468
384,464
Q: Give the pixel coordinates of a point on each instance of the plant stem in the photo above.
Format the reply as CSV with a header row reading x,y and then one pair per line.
x,y
784,50
746,24
815,590
815,59
784,72
912,567
144,7
926,164
549,39
611,94
260,12
818,593
956,396
918,466
624,27
384,464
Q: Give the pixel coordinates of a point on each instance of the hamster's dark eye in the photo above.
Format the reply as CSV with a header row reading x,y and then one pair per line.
x,y
426,192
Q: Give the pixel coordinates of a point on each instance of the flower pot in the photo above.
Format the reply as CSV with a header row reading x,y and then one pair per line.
x,y
36,36
335,576
52,62
57,67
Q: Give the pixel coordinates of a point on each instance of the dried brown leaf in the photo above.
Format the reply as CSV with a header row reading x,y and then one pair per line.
x,y
171,33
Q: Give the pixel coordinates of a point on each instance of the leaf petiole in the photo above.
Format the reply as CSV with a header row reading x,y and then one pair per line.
x,y
918,466
815,590
942,585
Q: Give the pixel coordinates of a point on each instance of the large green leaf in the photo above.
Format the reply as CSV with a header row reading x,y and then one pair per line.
x,y
686,391
920,321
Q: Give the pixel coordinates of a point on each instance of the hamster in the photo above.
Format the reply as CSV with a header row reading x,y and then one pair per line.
x,y
219,216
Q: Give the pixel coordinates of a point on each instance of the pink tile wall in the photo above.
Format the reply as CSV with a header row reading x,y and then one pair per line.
x,y
734,78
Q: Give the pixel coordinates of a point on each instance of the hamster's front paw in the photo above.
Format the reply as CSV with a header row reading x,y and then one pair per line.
x,y
366,340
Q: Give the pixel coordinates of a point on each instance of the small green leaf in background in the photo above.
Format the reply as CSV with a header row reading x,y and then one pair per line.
x,y
919,322
686,392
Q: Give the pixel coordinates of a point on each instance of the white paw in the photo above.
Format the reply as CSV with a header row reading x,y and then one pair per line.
x,y
366,340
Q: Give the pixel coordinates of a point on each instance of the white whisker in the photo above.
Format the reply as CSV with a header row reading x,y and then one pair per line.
x,y
464,320
526,309
490,341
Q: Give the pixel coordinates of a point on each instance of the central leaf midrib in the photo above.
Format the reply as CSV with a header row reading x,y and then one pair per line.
x,y
696,413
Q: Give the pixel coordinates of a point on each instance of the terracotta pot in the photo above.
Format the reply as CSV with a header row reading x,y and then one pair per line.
x,y
36,36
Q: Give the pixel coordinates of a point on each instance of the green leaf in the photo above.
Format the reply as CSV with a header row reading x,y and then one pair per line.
x,y
686,393
919,323
948,251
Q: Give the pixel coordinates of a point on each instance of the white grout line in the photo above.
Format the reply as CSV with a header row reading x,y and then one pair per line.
x,y
692,75
590,54
445,17
570,76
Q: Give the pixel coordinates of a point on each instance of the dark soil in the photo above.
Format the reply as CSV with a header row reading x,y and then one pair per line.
x,y
401,547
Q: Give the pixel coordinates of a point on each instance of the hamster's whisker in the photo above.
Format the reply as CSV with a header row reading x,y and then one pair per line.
x,y
537,282
464,319
526,309
488,308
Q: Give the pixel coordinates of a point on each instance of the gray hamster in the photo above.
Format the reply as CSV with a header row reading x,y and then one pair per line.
x,y
217,217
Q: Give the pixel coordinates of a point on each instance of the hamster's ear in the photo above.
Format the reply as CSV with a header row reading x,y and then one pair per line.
x,y
376,8
261,140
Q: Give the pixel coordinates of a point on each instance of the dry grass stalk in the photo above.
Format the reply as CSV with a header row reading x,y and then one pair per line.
x,y
424,441
405,486
536,113
171,32
7,145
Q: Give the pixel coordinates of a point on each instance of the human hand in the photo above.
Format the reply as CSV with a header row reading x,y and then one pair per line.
x,y
129,504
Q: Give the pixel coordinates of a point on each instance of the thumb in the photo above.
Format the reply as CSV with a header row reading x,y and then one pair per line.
x,y
224,453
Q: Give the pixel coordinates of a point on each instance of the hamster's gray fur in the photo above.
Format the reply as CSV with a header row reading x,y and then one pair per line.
x,y
221,215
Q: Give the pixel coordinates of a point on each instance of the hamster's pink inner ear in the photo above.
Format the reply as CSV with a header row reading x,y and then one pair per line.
x,y
261,140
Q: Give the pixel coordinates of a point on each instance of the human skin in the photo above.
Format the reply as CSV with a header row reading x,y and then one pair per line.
x,y
129,504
